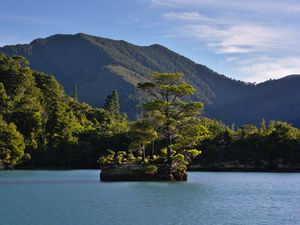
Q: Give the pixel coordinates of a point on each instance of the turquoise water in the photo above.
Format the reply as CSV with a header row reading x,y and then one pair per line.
x,y
78,198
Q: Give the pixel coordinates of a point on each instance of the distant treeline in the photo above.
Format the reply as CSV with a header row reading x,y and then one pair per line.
x,y
268,147
42,127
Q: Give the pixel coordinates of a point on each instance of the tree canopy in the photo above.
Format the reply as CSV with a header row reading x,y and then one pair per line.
x,y
177,121
39,120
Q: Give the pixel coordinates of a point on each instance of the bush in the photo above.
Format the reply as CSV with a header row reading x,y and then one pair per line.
x,y
130,157
152,169
194,152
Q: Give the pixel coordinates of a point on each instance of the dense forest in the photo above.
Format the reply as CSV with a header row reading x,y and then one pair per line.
x,y
272,146
42,127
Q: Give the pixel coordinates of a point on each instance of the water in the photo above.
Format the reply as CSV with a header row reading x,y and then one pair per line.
x,y
78,198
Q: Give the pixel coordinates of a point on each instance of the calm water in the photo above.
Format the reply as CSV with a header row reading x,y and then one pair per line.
x,y
78,198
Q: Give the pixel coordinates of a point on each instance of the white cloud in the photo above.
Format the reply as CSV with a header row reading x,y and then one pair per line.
x,y
242,38
236,31
225,35
264,6
188,16
174,3
264,69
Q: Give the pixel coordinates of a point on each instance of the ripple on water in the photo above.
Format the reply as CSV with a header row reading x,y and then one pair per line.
x,y
78,198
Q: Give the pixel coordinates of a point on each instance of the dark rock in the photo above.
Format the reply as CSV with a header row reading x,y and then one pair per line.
x,y
138,172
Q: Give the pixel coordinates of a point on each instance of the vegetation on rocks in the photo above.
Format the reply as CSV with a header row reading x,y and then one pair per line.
x,y
168,120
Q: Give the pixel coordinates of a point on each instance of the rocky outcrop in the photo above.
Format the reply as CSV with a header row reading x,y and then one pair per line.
x,y
5,166
142,172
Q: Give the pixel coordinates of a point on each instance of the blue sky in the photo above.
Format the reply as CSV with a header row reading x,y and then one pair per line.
x,y
248,40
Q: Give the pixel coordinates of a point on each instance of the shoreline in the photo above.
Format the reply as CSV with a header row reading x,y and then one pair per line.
x,y
248,170
238,170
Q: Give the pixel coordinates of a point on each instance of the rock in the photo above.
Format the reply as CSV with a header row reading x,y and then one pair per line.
x,y
139,172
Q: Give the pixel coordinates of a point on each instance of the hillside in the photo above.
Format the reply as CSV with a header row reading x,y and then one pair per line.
x,y
99,65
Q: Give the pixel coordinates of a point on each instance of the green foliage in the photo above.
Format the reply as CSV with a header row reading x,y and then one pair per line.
x,y
118,157
11,144
175,120
41,126
56,129
194,152
151,169
130,158
4,100
181,161
112,104
164,152
269,146
102,160
141,134
191,136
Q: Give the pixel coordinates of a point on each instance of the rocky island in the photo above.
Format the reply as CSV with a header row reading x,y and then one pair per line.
x,y
142,172
167,122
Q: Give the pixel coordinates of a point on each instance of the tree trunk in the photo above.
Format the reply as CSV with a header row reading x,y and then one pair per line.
x,y
142,148
169,150
152,150
144,154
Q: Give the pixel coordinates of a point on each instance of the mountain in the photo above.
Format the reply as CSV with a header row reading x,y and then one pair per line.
x,y
99,65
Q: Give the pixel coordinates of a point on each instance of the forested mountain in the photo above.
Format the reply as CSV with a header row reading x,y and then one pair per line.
x,y
99,65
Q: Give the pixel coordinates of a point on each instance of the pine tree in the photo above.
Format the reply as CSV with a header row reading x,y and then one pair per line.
x,y
74,92
112,104
115,102
175,120
108,103
263,126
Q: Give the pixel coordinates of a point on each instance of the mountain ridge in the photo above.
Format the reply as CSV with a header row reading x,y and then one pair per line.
x,y
99,65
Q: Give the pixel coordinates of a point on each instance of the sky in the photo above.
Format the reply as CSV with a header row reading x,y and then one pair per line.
x,y
253,40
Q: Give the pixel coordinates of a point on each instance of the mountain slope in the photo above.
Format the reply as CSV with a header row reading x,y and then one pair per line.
x,y
99,65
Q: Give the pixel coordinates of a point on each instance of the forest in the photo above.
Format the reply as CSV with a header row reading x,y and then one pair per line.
x,y
42,127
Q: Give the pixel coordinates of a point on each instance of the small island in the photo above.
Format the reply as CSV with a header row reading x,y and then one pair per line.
x,y
167,122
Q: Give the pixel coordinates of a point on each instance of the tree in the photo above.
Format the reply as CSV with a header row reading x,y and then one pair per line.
x,y
174,117
263,126
4,99
59,120
142,133
74,93
112,104
248,130
24,105
11,143
115,103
